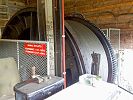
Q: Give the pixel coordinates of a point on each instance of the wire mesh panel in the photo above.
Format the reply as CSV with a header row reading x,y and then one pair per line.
x,y
8,49
27,61
27,54
115,38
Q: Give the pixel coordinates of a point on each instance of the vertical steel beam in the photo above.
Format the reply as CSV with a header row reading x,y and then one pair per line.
x,y
57,22
41,19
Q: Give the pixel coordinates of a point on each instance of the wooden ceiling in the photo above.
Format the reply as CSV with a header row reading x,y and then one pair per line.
x,y
106,14
103,12
25,1
19,0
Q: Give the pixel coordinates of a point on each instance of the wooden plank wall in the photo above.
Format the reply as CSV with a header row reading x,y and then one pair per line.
x,y
106,14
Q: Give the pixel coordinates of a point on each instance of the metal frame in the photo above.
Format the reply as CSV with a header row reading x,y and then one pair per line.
x,y
106,34
109,30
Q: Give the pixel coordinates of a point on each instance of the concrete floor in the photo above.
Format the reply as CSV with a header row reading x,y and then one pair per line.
x,y
7,97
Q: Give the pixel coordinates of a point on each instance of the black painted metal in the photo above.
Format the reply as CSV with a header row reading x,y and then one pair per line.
x,y
19,27
31,90
41,17
57,24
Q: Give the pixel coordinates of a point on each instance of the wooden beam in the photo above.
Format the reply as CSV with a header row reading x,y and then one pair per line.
x,y
87,9
92,3
122,26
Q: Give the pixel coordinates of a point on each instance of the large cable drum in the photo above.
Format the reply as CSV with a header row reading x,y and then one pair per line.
x,y
87,40
86,46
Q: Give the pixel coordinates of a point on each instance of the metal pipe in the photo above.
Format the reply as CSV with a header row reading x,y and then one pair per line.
x,y
63,46
38,20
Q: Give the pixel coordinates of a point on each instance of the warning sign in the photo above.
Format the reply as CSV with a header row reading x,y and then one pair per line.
x,y
37,49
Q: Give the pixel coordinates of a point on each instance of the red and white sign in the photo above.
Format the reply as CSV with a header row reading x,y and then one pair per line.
x,y
37,49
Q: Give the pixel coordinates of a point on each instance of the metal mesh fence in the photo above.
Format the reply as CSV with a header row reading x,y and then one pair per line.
x,y
8,49
25,61
115,38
